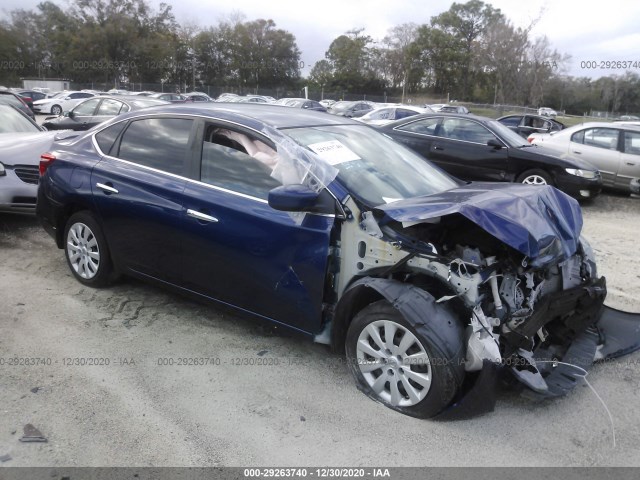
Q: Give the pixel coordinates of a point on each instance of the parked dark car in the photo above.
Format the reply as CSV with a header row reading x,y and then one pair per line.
x,y
481,149
9,98
306,104
350,109
96,110
324,226
525,125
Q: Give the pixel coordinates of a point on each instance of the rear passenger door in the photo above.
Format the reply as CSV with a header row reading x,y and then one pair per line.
x,y
137,188
239,250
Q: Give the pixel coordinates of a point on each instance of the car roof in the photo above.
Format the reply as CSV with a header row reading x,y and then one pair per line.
x,y
461,116
254,114
618,125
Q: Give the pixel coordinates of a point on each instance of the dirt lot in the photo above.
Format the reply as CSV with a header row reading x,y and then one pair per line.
x,y
263,399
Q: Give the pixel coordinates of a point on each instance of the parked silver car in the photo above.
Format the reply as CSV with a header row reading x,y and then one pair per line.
x,y
613,148
22,141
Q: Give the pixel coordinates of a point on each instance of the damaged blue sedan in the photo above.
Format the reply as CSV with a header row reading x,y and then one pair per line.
x,y
431,287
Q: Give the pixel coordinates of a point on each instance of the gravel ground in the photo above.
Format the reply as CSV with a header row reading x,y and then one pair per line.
x,y
298,408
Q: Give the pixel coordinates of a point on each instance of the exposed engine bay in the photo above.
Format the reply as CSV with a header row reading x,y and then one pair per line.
x,y
536,319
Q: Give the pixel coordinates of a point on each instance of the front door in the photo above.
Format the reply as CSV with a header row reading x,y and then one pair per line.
x,y
239,250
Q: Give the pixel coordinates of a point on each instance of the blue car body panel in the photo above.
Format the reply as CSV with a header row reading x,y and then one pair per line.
x,y
539,221
256,257
143,221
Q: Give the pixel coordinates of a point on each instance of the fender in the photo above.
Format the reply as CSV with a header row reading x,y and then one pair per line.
x,y
416,305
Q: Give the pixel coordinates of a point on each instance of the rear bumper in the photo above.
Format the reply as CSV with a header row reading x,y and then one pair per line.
x,y
48,215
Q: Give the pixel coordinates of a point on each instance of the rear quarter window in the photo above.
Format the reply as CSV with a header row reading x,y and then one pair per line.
x,y
107,137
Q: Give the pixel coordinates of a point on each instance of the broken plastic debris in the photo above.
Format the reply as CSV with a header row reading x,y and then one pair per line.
x,y
32,434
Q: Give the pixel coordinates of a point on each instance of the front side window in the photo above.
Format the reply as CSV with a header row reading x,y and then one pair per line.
x,y
234,161
160,143
511,121
465,130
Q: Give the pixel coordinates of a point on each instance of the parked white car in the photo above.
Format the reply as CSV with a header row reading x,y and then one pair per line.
x,y
62,102
613,148
384,115
547,112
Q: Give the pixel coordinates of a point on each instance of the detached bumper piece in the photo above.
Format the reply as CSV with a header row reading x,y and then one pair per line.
x,y
620,332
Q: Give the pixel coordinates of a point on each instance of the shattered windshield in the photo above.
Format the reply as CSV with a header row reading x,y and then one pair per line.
x,y
374,168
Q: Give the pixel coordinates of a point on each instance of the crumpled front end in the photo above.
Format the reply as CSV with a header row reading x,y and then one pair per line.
x,y
510,261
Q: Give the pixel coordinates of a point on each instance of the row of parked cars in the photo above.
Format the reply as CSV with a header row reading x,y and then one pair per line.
x,y
579,161
430,285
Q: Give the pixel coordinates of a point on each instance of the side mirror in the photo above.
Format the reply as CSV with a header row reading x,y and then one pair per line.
x,y
292,198
495,144
69,114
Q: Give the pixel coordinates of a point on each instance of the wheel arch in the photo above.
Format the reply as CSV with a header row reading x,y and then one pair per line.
x,y
69,210
417,306
549,170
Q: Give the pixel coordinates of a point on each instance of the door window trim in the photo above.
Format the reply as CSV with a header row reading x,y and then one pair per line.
x,y
199,120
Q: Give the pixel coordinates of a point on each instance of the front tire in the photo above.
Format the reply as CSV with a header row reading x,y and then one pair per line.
x,y
56,110
86,251
535,177
393,363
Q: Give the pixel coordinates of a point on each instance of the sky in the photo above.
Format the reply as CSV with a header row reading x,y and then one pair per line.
x,y
587,30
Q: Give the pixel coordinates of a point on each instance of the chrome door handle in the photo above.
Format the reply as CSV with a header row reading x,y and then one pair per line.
x,y
106,188
201,216
438,147
576,151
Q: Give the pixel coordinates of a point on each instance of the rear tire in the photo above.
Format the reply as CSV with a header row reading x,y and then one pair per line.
x,y
408,371
86,250
535,177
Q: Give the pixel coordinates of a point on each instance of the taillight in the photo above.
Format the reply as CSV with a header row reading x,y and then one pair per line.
x,y
530,139
46,159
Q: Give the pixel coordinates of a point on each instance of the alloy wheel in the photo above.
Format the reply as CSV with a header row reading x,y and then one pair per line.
x,y
394,363
83,251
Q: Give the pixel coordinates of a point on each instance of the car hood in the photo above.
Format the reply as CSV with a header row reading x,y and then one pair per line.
x,y
25,148
538,221
551,156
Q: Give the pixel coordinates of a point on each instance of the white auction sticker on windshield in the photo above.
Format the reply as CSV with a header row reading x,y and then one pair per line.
x,y
334,152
